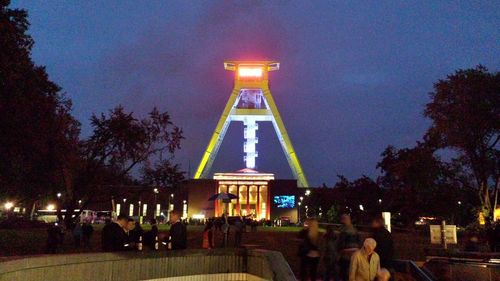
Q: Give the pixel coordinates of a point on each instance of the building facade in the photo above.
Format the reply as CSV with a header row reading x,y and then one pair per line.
x,y
259,196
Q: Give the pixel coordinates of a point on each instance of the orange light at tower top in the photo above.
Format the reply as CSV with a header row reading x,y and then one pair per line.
x,y
250,71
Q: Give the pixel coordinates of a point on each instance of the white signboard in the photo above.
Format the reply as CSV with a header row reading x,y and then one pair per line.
x,y
450,234
387,220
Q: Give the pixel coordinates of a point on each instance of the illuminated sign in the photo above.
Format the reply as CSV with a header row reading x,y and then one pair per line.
x,y
284,201
250,72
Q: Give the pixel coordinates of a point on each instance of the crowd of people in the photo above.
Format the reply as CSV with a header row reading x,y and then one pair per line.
x,y
344,256
82,236
237,229
125,234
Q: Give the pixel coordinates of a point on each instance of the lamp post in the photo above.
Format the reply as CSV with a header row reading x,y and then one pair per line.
x,y
300,203
155,191
8,206
170,200
140,215
59,207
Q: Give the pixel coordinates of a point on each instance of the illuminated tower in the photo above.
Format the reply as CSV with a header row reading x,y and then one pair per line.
x,y
251,102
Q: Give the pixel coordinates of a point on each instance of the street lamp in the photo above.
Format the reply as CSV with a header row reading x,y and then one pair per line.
x,y
140,215
184,209
380,201
300,203
155,191
8,205
308,192
169,209
59,195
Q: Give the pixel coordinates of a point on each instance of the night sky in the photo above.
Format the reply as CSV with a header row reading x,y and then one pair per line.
x,y
354,76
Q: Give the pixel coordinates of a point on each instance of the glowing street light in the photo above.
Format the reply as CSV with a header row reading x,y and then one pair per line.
x,y
459,202
308,192
298,217
379,201
361,207
8,205
156,190
59,195
301,198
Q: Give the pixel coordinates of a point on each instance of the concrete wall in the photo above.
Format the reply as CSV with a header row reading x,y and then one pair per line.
x,y
130,266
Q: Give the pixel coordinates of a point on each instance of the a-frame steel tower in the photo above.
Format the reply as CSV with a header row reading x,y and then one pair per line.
x,y
251,102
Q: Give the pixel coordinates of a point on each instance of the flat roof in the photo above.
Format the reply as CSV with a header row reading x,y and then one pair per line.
x,y
244,174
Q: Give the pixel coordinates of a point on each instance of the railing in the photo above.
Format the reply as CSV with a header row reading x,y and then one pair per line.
x,y
411,270
462,269
218,264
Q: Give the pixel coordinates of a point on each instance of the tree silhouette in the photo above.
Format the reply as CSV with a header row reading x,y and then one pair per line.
x,y
465,111
119,143
36,127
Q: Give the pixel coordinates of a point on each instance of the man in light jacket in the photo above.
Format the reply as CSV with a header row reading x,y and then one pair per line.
x,y
365,263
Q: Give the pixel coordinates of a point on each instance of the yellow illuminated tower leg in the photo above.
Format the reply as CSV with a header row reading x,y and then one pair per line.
x,y
251,102
217,137
286,144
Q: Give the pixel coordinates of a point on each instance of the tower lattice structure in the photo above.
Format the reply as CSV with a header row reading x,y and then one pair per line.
x,y
251,102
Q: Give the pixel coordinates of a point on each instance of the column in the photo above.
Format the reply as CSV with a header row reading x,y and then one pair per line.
x,y
216,202
248,200
268,204
257,208
238,206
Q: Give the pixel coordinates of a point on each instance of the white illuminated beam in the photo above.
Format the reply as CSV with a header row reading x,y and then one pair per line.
x,y
250,141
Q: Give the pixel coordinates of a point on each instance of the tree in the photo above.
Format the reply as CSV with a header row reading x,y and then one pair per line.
x,y
40,145
332,214
163,174
465,114
418,183
358,198
36,127
119,143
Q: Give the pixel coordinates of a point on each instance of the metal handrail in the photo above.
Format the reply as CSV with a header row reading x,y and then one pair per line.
x,y
453,263
406,266
470,262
